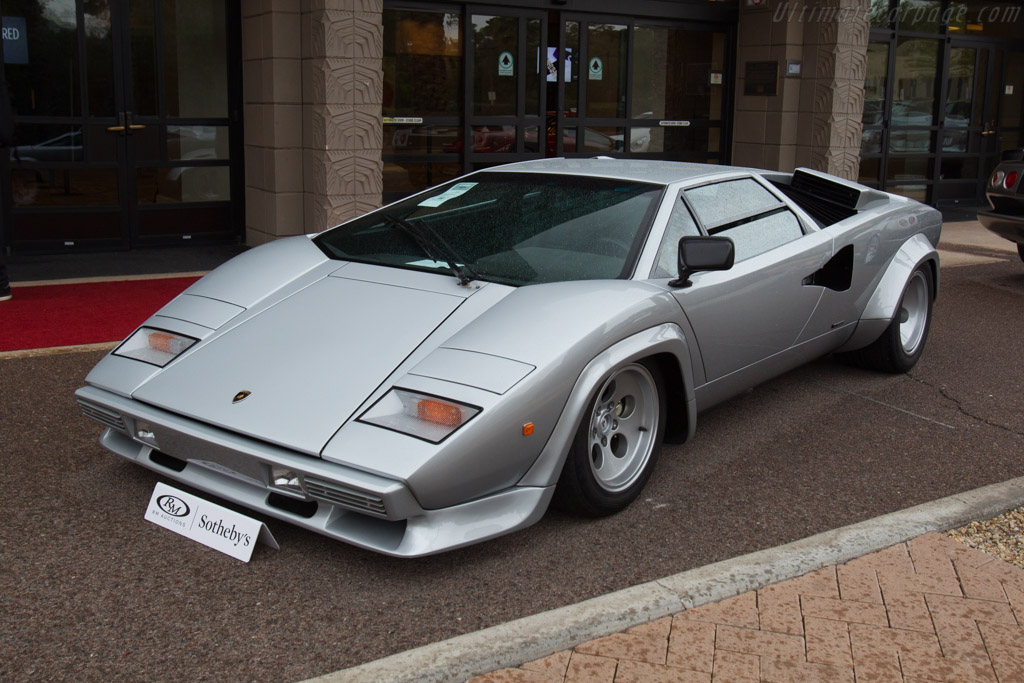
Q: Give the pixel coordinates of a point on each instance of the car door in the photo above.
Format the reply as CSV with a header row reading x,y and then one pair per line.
x,y
759,307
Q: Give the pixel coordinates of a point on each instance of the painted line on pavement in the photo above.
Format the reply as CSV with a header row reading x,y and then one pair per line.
x,y
536,636
832,387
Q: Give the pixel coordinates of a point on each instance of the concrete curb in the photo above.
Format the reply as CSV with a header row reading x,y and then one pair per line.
x,y
57,350
537,636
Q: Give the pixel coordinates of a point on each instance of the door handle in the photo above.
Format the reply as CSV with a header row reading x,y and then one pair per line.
x,y
124,124
121,124
129,125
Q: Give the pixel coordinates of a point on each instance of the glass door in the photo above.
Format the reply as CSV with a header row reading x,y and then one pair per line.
x,y
470,87
63,183
677,112
176,121
973,123
505,95
639,88
124,115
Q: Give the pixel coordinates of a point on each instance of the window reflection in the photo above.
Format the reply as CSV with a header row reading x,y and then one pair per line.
x,y
903,169
682,90
196,143
681,142
412,139
984,17
921,16
404,178
960,110
48,143
572,84
532,72
606,59
874,84
195,57
422,63
911,142
44,79
183,184
99,59
63,187
495,72
917,64
493,139
602,139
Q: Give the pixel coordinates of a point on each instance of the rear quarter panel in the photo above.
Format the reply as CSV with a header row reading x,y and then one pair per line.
x,y
876,235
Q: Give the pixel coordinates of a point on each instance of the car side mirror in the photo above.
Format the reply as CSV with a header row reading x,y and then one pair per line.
x,y
703,253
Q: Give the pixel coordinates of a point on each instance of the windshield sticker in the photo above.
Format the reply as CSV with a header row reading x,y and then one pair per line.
x,y
451,193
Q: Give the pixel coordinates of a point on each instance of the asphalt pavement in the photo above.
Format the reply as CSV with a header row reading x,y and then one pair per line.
x,y
89,590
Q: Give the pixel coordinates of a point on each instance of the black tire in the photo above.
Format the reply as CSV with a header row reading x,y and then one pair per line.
x,y
616,446
1020,251
901,345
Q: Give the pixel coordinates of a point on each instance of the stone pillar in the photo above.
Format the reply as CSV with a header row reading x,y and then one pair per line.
x,y
272,92
312,83
836,47
342,83
814,120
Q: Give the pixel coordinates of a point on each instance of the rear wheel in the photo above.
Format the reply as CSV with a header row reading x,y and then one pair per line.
x,y
901,345
617,443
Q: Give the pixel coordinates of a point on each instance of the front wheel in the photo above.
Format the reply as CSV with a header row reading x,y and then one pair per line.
x,y
901,345
617,443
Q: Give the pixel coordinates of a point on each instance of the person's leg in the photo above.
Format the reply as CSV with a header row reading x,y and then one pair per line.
x,y
5,285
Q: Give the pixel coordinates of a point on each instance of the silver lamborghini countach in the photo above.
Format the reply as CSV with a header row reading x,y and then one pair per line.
x,y
438,371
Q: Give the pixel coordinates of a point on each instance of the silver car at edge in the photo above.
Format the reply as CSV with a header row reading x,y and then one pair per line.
x,y
438,371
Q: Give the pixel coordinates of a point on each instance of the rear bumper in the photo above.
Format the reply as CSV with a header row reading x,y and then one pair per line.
x,y
1007,226
366,510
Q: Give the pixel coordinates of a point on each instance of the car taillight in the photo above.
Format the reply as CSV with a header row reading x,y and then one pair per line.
x,y
1011,180
997,178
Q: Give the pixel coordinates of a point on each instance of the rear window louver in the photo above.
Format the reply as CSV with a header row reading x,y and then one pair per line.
x,y
825,201
832,192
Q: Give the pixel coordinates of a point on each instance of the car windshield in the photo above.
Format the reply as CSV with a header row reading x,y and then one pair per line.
x,y
513,228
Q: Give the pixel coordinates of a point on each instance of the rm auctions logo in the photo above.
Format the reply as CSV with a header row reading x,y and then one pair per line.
x,y
173,506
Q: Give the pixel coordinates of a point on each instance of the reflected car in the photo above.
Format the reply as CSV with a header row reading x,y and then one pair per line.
x,y
955,137
910,113
1006,201
438,371
64,147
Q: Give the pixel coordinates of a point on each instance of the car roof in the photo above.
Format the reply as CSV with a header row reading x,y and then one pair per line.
x,y
642,170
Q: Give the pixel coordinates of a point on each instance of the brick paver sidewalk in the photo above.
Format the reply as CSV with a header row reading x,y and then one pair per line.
x,y
930,609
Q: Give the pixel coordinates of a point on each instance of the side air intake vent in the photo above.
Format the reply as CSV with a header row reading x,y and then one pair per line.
x,y
104,416
360,501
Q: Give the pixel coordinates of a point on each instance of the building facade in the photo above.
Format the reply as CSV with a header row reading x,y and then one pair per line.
x,y
189,121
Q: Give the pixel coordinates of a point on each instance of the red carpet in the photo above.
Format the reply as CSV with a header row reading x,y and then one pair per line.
x,y
87,313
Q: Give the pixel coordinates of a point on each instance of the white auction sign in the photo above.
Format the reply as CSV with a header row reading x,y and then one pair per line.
x,y
208,523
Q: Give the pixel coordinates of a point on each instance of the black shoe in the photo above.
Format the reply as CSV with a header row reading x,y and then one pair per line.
x,y
5,294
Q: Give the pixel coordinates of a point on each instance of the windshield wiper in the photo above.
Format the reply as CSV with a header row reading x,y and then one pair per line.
x,y
433,245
